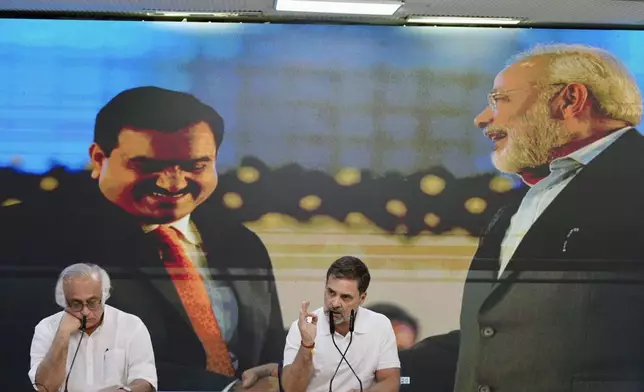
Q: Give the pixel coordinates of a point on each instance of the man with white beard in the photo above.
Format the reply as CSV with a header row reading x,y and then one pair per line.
x,y
553,300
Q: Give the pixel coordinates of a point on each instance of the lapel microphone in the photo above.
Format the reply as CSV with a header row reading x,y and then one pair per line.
x,y
331,323
83,328
352,320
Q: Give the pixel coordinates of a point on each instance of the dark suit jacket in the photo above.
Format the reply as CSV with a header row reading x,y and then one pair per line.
x,y
430,364
38,241
568,313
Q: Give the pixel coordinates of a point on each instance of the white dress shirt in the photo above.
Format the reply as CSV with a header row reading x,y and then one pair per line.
x,y
373,348
118,352
540,195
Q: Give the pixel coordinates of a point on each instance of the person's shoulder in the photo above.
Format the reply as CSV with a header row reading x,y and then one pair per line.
x,y
124,319
50,323
217,221
376,319
373,316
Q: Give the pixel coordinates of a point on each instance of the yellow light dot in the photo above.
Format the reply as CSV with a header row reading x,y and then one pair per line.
x,y
233,200
401,229
396,208
459,231
432,185
10,202
432,220
356,218
247,174
475,205
89,166
310,202
48,183
501,184
348,176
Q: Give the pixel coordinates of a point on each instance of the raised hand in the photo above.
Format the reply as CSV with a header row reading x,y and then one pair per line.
x,y
69,324
308,330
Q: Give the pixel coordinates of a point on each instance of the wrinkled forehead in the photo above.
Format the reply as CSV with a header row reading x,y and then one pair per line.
x,y
82,288
521,74
343,286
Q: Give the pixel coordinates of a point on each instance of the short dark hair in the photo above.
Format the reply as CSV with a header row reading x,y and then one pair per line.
x,y
396,313
350,267
156,108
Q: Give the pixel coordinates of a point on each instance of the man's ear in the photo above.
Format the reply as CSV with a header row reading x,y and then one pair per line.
x,y
363,296
572,101
97,156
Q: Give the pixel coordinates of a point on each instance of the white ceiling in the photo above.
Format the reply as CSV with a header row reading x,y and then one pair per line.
x,y
539,12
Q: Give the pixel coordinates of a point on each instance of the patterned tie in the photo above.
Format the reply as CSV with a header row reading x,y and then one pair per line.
x,y
192,291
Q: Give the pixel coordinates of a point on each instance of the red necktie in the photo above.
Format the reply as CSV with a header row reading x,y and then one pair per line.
x,y
192,291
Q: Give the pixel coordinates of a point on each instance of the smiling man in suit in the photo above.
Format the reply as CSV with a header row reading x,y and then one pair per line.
x,y
202,283
553,300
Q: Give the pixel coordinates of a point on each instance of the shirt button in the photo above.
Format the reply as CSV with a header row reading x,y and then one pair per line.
x,y
485,388
488,332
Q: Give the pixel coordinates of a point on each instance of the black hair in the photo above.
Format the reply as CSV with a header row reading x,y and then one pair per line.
x,y
350,267
396,313
154,108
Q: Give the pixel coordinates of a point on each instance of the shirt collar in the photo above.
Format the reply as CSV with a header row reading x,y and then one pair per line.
x,y
182,225
587,153
577,158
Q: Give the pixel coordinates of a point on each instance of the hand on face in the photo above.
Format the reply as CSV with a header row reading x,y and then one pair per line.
x,y
308,330
69,323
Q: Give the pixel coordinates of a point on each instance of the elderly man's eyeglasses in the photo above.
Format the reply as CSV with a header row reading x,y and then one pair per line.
x,y
497,96
91,304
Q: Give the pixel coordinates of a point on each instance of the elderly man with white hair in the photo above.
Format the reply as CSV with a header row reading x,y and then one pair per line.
x,y
553,300
110,350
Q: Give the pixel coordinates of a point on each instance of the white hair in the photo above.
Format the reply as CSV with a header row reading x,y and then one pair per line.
x,y
83,270
609,81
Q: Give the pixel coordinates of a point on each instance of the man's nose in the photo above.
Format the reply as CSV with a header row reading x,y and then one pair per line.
x,y
85,311
483,119
172,180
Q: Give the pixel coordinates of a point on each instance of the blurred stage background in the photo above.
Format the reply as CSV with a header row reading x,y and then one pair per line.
x,y
339,139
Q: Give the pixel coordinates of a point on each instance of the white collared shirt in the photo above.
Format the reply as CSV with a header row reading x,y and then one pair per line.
x,y
373,348
118,352
540,195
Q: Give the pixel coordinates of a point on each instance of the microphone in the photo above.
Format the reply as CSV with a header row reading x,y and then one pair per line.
x,y
82,328
332,328
352,322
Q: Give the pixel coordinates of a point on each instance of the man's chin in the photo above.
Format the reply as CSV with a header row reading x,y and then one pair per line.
x,y
164,216
503,164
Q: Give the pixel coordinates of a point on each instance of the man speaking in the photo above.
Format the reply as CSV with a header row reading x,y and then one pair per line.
x,y
90,346
342,346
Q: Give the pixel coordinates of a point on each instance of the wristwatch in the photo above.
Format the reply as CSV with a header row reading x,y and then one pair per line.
x,y
126,388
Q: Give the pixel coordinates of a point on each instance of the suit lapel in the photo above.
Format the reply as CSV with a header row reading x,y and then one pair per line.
x,y
231,262
485,264
125,244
